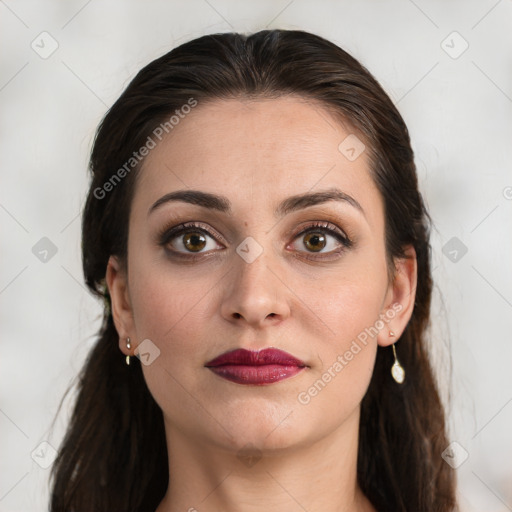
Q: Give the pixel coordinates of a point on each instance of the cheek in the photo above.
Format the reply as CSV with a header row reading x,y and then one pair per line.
x,y
168,306
349,344
348,309
348,300
170,311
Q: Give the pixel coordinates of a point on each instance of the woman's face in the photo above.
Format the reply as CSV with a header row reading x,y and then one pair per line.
x,y
255,272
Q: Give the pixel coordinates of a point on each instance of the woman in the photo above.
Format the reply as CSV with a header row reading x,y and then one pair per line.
x,y
255,228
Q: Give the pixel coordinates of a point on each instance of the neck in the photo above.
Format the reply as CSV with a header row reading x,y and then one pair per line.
x,y
313,477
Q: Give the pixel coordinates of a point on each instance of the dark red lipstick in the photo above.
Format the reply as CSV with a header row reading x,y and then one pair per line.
x,y
256,367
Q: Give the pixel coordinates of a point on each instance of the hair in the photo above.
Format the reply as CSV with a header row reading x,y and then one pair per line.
x,y
114,453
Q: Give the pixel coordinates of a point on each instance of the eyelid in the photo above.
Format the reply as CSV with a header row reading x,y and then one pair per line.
x,y
323,225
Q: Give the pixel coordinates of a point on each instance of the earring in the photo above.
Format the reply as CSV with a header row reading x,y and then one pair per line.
x,y
128,346
397,370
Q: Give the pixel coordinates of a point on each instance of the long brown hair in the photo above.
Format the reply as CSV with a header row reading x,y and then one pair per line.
x,y
114,454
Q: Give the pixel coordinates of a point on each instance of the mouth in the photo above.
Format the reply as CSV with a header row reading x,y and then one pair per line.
x,y
256,367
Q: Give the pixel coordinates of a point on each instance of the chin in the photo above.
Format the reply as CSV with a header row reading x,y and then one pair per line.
x,y
267,428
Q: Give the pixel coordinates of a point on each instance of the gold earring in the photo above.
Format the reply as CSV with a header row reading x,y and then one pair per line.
x,y
397,370
128,346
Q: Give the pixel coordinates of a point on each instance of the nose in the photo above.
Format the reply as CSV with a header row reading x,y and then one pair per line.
x,y
255,294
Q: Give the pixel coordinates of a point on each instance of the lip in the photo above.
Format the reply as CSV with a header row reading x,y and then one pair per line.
x,y
256,367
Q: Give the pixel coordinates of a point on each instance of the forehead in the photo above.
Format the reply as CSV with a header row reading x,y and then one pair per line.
x,y
258,152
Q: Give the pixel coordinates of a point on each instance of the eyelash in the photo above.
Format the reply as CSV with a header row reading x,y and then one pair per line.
x,y
166,235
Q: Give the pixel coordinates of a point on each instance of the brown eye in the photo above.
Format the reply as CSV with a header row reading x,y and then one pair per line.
x,y
323,238
187,239
194,241
315,241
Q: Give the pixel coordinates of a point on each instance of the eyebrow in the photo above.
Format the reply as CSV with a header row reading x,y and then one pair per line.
x,y
291,204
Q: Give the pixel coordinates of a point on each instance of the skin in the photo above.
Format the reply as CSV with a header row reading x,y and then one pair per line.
x,y
257,153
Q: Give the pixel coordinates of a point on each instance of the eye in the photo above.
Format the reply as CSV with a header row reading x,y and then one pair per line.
x,y
189,237
323,235
192,240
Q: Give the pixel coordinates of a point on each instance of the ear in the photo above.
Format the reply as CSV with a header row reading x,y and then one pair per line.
x,y
117,282
400,298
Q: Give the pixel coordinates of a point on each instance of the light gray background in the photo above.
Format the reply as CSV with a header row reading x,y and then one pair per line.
x,y
458,109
